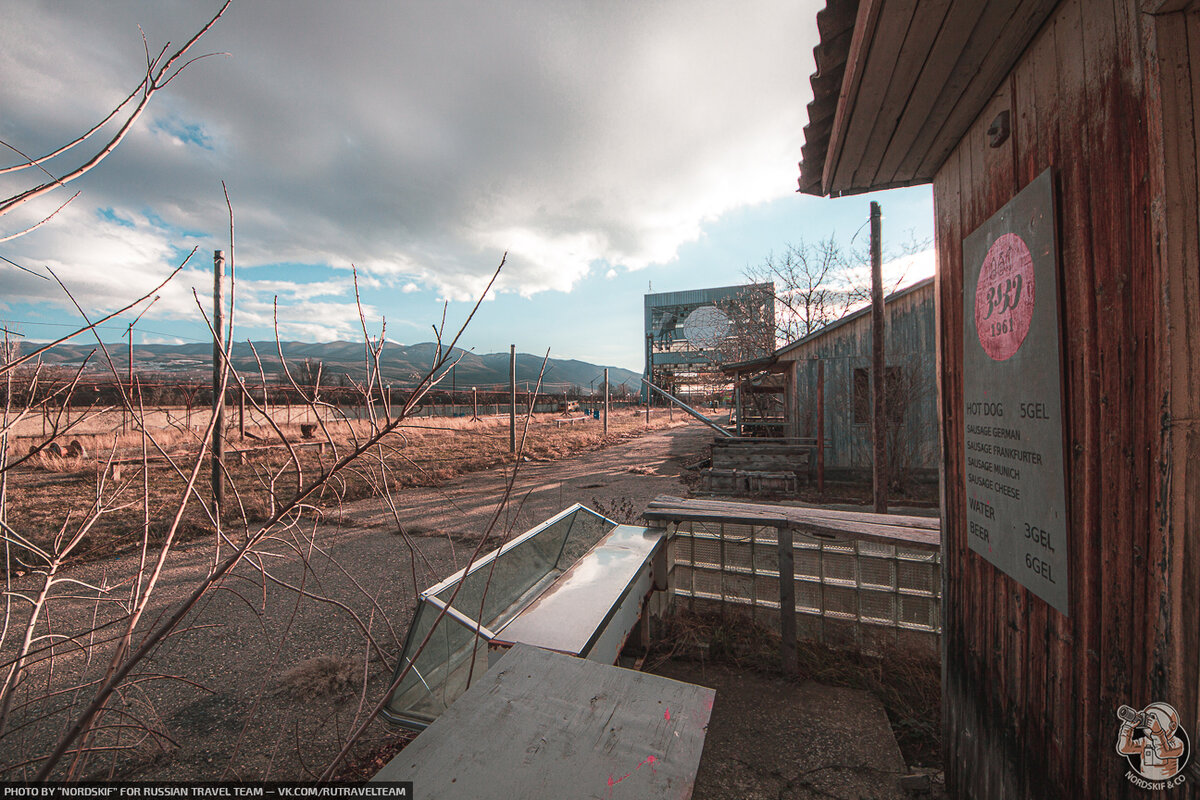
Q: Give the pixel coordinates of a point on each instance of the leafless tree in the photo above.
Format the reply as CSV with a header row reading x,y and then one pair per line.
x,y
751,334
812,286
47,681
911,434
819,282
161,69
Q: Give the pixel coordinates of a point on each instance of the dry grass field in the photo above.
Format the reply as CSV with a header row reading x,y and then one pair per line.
x,y
49,490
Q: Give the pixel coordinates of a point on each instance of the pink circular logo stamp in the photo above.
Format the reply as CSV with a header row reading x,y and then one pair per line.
x,y
1004,297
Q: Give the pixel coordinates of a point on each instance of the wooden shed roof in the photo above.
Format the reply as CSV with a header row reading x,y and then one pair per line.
x,y
898,83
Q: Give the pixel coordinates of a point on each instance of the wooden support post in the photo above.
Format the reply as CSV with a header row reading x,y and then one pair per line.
x,y
606,401
753,575
821,427
737,402
512,399
474,404
878,361
242,414
721,570
218,439
787,601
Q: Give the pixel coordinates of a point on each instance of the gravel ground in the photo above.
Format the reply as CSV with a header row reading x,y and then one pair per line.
x,y
264,684
776,739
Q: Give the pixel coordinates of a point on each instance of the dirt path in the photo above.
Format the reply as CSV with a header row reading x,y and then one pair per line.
x,y
228,707
627,475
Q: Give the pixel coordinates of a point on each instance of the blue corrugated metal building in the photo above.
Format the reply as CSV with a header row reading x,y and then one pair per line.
x,y
689,334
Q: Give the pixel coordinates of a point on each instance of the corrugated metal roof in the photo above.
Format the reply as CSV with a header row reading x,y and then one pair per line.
x,y
701,296
827,329
836,26
753,365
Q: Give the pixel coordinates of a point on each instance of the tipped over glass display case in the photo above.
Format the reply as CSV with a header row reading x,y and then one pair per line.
x,y
575,584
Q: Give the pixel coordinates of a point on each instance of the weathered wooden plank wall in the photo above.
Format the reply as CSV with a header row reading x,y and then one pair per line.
x,y
910,345
1175,223
1031,694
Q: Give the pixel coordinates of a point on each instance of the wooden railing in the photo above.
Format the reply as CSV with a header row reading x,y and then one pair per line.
x,y
850,579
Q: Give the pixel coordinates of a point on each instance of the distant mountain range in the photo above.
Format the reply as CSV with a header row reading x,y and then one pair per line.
x,y
401,365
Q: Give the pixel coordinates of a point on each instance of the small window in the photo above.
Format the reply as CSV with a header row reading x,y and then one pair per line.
x,y
862,396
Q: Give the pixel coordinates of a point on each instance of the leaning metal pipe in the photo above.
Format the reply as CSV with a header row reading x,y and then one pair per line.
x,y
689,409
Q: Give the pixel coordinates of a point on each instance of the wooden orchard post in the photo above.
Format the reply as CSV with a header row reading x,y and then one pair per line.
x,y
218,442
242,414
512,398
606,401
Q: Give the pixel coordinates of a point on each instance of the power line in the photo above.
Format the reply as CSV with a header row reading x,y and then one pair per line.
x,y
26,269
99,327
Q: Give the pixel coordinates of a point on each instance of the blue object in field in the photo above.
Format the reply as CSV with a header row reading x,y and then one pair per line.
x,y
595,413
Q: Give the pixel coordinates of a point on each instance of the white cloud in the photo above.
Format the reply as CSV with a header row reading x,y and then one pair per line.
x,y
417,141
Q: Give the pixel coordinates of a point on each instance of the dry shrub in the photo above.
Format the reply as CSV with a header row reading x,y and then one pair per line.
x,y
622,509
65,464
315,678
363,766
424,451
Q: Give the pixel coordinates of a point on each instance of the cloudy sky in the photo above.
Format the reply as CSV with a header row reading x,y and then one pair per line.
x,y
608,147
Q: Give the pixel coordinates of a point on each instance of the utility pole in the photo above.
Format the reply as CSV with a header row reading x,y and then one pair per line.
x,y
512,398
878,367
218,442
649,373
821,428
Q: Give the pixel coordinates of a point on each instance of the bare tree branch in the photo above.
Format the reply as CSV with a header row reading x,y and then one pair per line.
x,y
158,75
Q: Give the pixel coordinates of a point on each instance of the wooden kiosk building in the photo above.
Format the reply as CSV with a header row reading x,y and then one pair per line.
x,y
1061,141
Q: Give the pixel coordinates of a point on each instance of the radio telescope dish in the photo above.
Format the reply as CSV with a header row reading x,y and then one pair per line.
x,y
706,327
